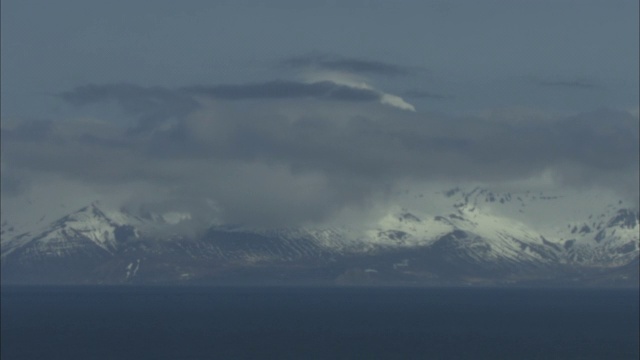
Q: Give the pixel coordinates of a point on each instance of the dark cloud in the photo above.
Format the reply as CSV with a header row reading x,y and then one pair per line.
x,y
350,65
286,90
264,166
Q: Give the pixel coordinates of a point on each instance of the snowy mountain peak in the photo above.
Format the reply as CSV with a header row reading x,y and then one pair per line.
x,y
87,226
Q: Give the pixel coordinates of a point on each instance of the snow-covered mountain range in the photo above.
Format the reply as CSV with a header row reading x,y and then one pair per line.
x,y
452,237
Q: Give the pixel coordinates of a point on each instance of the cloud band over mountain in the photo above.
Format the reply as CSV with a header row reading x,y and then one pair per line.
x,y
282,161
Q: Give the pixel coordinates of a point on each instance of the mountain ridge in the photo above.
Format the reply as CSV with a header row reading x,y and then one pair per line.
x,y
471,241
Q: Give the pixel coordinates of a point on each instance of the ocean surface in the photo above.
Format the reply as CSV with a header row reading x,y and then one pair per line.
x,y
317,323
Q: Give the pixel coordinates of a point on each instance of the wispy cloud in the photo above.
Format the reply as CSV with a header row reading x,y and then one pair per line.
x,y
157,104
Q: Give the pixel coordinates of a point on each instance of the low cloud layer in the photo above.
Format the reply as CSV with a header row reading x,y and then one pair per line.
x,y
268,163
151,105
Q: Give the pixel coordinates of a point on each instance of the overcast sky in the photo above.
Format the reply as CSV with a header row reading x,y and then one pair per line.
x,y
313,107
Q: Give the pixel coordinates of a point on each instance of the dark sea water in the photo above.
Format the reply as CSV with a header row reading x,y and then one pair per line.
x,y
318,323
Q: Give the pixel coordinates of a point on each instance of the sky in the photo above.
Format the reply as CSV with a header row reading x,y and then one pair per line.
x,y
296,112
